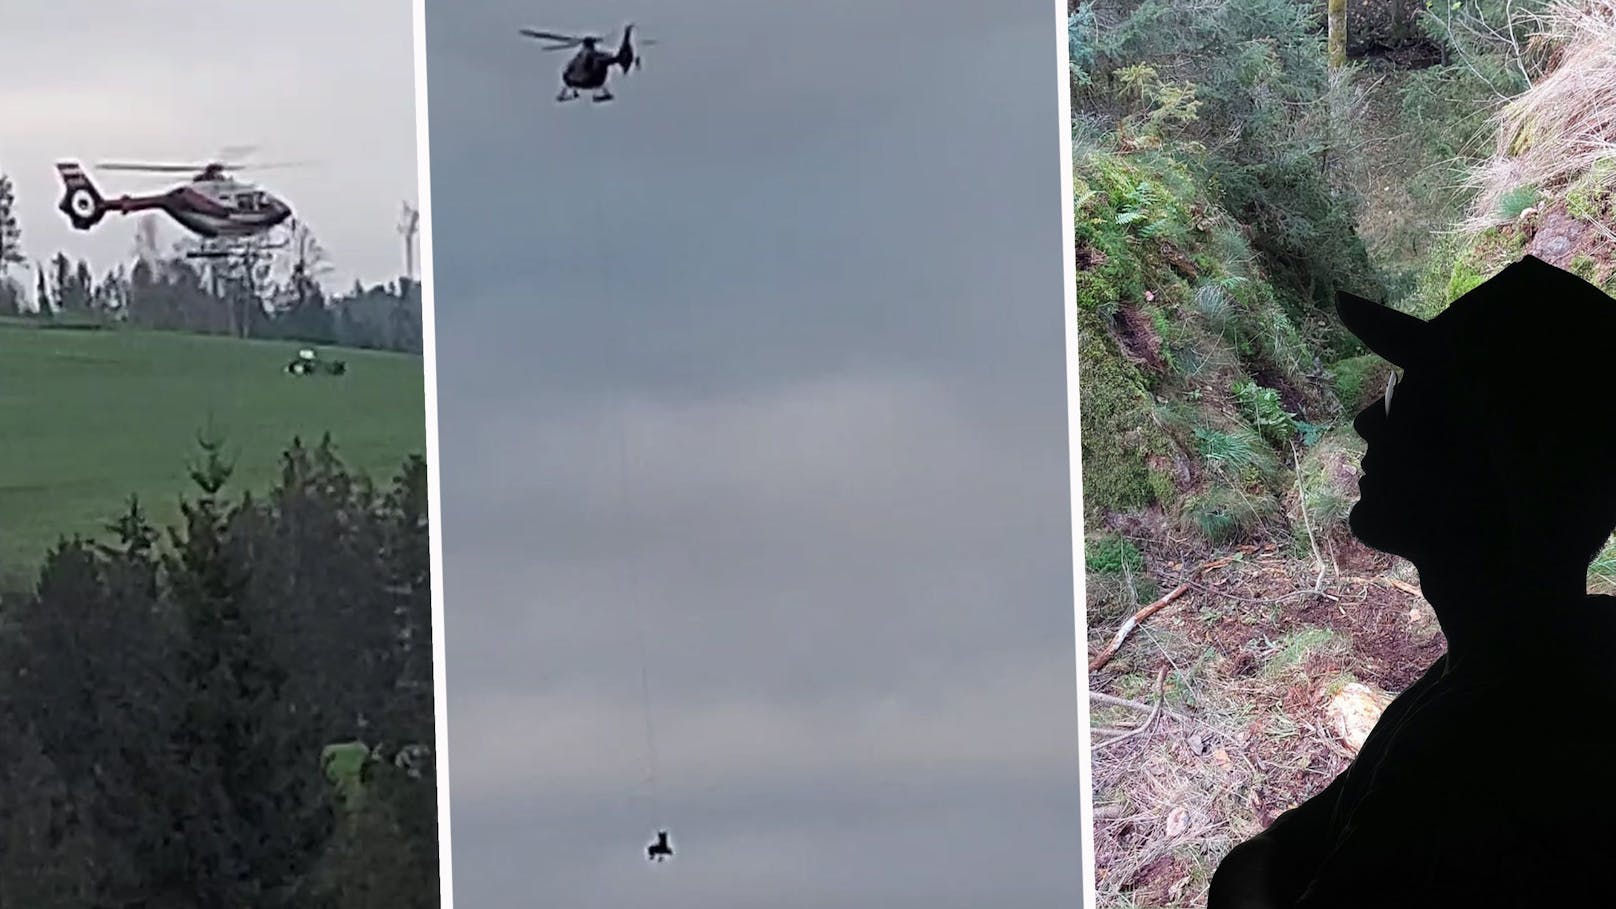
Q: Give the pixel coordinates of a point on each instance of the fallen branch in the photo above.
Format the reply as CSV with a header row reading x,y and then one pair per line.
x,y
1405,587
1109,730
1110,650
1114,701
1384,581
1307,522
1161,695
1263,601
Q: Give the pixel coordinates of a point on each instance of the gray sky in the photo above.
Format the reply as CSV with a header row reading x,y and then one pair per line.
x,y
301,80
760,366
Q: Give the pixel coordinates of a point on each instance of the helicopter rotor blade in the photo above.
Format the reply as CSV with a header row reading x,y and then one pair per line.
x,y
192,168
151,168
562,40
271,165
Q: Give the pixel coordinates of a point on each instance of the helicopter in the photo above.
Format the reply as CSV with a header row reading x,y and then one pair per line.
x,y
214,206
589,68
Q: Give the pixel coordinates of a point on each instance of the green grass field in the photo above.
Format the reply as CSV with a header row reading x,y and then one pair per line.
x,y
88,418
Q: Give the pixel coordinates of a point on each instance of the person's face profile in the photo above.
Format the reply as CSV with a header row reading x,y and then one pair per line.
x,y
1420,471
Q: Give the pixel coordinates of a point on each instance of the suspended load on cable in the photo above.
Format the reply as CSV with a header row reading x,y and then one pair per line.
x,y
659,850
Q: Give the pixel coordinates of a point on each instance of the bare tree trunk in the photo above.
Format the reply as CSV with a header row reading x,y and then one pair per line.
x,y
1338,33
1337,48
1447,30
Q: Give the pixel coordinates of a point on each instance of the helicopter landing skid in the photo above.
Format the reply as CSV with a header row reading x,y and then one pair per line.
x,y
570,94
232,250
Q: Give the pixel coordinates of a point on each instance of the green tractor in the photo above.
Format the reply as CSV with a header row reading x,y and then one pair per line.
x,y
307,363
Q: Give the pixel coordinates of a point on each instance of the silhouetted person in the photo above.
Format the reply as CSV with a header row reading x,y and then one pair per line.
x,y
659,850
1491,467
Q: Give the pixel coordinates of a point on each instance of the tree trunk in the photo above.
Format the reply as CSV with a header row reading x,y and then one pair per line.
x,y
1338,33
1447,30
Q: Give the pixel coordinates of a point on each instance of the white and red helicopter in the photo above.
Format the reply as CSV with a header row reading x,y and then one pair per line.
x,y
214,206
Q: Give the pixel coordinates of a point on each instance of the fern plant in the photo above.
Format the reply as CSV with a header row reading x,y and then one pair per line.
x,y
1265,411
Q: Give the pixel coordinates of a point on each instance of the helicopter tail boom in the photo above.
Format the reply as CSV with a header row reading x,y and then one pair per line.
x,y
81,201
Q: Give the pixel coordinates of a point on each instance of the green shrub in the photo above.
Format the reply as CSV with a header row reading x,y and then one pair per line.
x,y
1109,554
1236,449
1593,198
1359,380
1518,200
1079,42
1215,305
1223,515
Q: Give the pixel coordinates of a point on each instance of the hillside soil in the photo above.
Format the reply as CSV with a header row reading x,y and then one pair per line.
x,y
1232,685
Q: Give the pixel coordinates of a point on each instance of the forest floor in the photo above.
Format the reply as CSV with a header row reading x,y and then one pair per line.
x,y
1232,687
1226,708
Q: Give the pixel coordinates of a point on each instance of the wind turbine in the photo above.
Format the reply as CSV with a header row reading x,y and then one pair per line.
x,y
408,225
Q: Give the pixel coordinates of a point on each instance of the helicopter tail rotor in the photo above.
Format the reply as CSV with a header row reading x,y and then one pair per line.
x,y
625,51
81,201
626,54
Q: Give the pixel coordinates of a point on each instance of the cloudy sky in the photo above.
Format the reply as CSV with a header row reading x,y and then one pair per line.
x,y
331,84
753,380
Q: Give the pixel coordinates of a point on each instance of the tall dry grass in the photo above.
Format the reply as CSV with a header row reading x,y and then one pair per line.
x,y
1559,129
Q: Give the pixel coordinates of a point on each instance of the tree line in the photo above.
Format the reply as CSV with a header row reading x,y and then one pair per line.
x,y
236,710
268,287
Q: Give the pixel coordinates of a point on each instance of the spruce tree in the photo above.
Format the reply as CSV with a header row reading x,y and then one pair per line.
x,y
10,229
268,818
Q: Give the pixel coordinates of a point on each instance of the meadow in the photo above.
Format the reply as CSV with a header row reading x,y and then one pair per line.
x,y
89,418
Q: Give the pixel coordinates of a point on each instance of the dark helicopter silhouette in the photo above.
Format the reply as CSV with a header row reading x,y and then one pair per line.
x,y
590,67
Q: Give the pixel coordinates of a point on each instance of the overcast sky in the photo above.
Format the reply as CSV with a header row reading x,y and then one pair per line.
x,y
162,80
754,379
